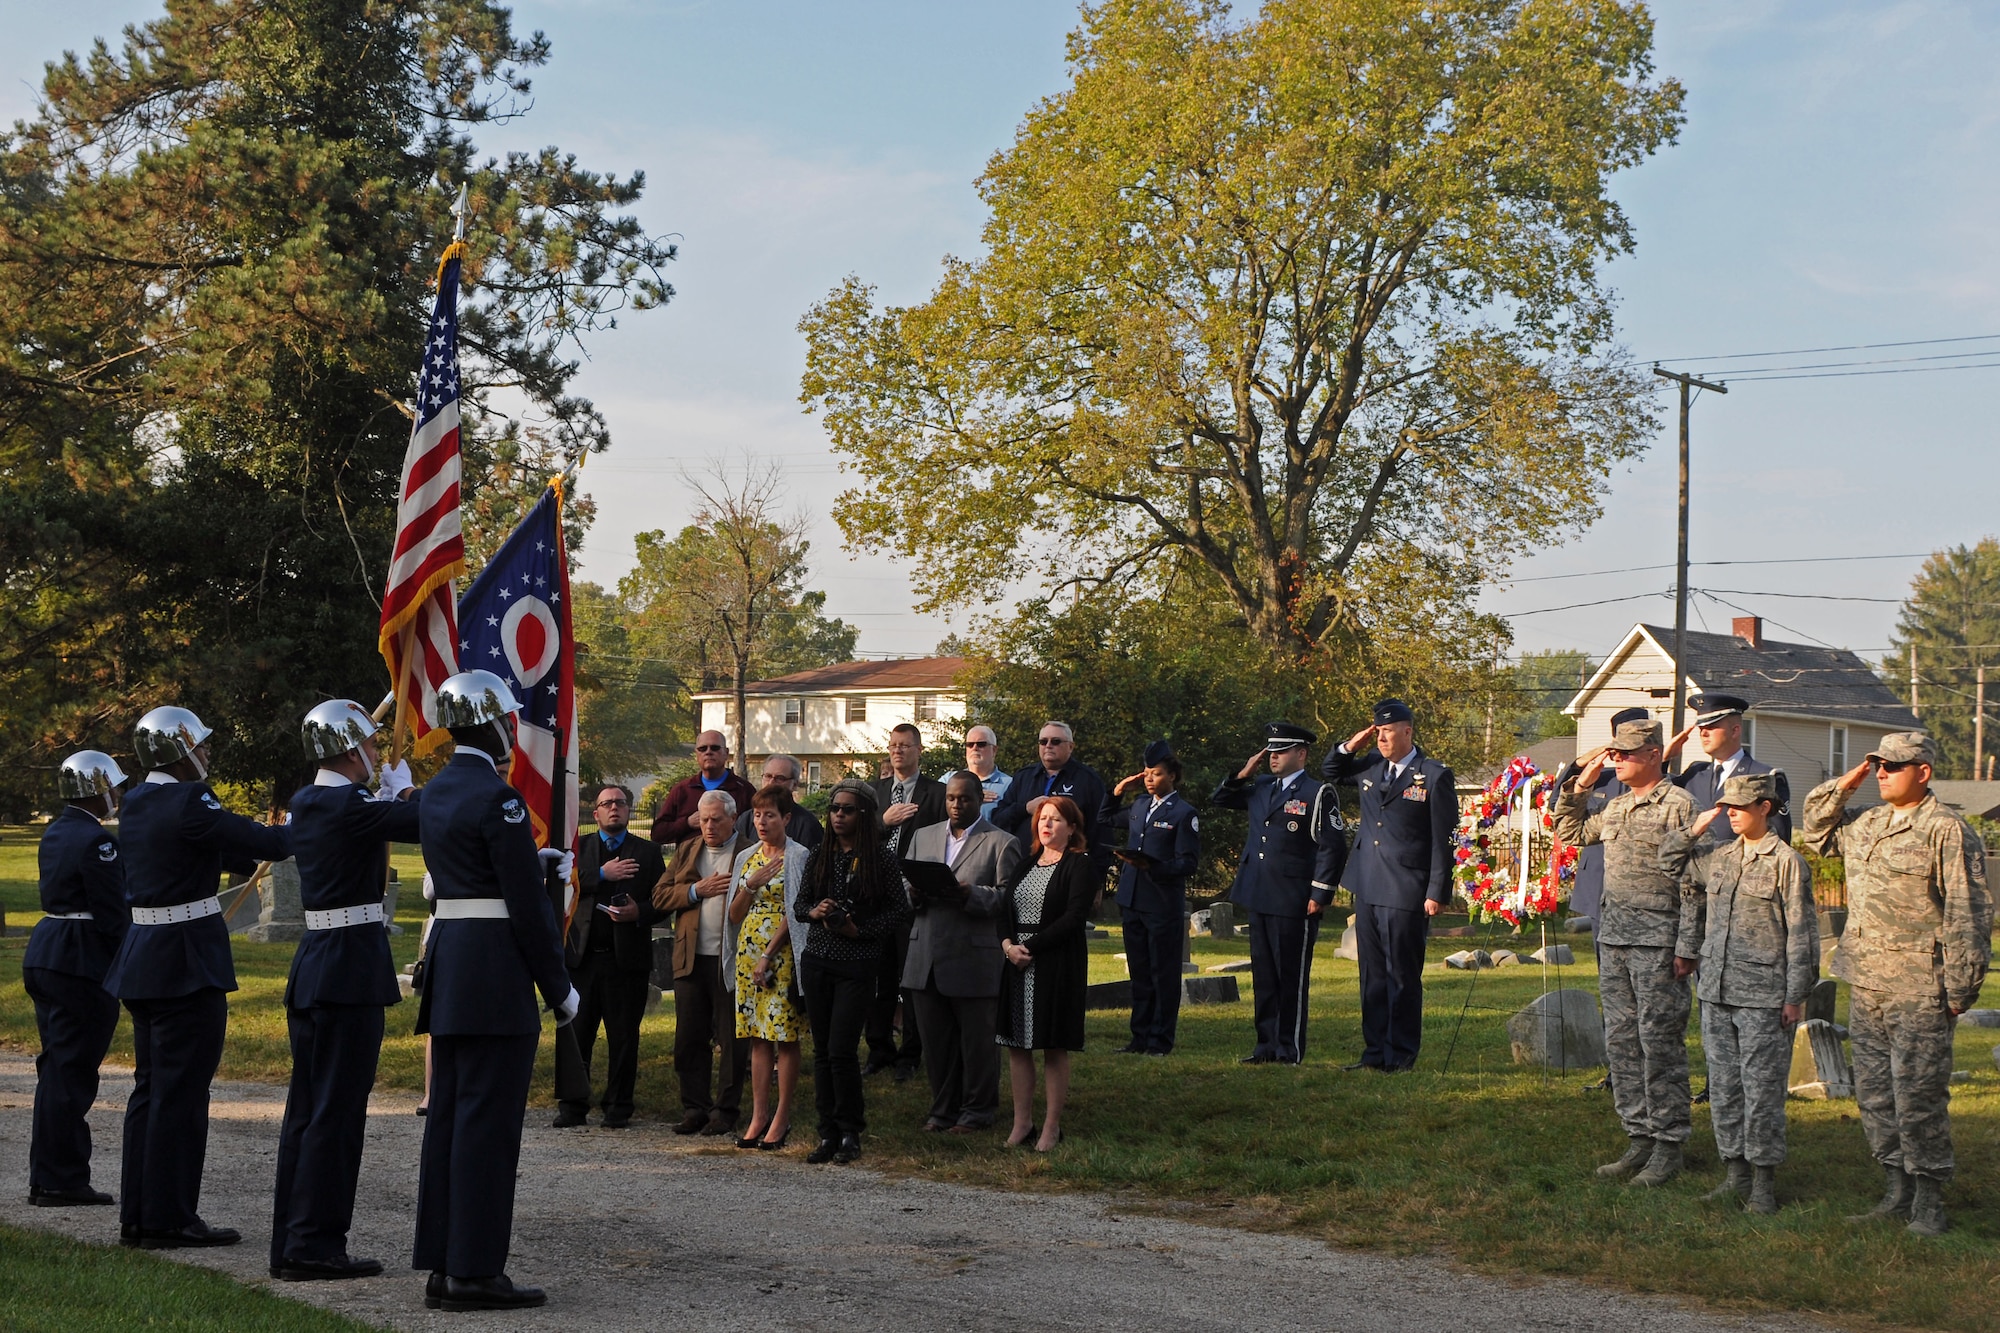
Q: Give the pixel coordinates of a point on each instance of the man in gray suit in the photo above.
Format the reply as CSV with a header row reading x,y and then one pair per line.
x,y
952,974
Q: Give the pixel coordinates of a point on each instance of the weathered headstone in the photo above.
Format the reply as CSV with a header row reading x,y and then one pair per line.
x,y
1820,1003
1559,1030
1506,958
1820,1071
1222,920
663,958
390,892
1996,1057
1194,990
1832,920
1555,955
1350,946
1981,1018
1233,965
1579,925
1469,960
283,916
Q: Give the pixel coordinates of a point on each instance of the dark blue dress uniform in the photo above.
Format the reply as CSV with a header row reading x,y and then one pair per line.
x,y
174,977
1293,856
1703,780
1403,847
1076,780
495,943
1153,904
83,897
342,979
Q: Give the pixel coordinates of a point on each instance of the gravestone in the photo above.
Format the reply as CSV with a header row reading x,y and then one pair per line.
x,y
1579,925
1194,990
1233,965
1832,920
1555,955
663,958
283,917
1819,1004
1506,958
1996,1057
1820,1071
1222,921
1469,960
1558,1030
1350,947
390,892
1978,1018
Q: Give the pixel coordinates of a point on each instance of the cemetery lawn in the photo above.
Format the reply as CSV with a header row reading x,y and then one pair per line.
x,y
1484,1163
50,1284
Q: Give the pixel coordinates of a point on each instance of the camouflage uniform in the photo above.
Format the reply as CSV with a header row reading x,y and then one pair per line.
x,y
1644,920
1759,940
1917,944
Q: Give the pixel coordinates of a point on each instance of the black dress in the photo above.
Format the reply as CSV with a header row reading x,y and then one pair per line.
x,y
1044,910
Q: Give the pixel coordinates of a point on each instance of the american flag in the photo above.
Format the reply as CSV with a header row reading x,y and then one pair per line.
x,y
514,621
419,637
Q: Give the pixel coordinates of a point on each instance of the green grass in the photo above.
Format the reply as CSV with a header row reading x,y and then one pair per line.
x,y
1486,1162
49,1284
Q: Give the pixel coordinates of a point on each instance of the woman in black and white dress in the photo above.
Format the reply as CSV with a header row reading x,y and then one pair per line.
x,y
1042,920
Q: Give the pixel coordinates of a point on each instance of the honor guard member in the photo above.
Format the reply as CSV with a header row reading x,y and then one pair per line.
x,y
174,973
1292,860
84,917
494,943
1586,893
1647,938
1918,941
1759,948
342,979
1718,723
1399,873
1162,848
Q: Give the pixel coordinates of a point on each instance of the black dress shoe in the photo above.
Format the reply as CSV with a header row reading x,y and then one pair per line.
x,y
1130,1048
849,1150
691,1123
1158,1050
904,1073
489,1293
874,1067
333,1269
1358,1064
195,1235
719,1125
616,1122
128,1235
77,1198
1254,1059
824,1153
567,1119
433,1291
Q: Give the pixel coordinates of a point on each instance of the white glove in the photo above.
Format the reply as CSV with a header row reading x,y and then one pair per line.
x,y
430,888
564,861
395,781
567,1007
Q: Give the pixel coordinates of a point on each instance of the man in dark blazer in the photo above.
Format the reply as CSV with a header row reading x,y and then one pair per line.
x,y
1061,773
1586,890
84,917
1400,875
782,771
174,972
909,802
1292,859
952,971
341,982
1162,847
494,944
609,951
1719,723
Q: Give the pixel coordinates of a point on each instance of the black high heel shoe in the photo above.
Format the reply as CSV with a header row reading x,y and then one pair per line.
x,y
767,1145
751,1140
1034,1132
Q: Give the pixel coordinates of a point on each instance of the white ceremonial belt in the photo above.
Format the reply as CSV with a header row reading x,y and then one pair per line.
x,y
338,918
71,916
179,912
472,909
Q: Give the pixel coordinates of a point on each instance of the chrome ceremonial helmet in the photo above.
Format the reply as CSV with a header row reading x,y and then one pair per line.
x,y
473,698
169,734
333,728
89,773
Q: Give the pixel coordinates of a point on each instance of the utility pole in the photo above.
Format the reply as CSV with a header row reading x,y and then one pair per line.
x,y
1979,726
1688,383
1916,709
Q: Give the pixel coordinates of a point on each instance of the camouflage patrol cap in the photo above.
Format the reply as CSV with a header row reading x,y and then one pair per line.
x,y
1906,747
1632,736
1746,789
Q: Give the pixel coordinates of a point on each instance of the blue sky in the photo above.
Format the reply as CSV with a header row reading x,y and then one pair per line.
x,y
1836,184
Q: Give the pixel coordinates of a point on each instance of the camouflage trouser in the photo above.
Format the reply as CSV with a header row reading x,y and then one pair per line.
x,y
1749,1057
1645,1032
1902,1079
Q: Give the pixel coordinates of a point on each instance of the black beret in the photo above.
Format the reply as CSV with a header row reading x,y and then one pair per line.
x,y
1624,715
1393,710
1286,735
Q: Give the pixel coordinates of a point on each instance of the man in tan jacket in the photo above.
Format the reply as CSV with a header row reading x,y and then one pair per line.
x,y
696,890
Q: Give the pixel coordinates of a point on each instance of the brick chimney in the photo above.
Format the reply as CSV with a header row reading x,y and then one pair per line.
x,y
1750,629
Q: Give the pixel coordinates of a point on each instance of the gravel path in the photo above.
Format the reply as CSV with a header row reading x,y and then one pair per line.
x,y
641,1229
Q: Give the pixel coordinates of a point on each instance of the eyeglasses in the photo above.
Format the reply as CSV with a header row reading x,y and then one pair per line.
x,y
979,745
1894,765
610,805
710,749
839,808
1052,740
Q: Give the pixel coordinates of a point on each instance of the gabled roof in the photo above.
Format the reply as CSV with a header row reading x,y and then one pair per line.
x,y
1800,678
908,673
1969,798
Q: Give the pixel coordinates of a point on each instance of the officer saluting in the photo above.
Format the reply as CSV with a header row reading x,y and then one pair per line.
x,y
342,978
84,917
1162,848
494,943
174,973
1292,860
1586,894
1719,720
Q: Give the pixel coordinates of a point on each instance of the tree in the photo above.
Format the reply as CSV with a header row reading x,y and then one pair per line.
x,y
724,600
216,244
1310,300
1952,619
629,705
1542,682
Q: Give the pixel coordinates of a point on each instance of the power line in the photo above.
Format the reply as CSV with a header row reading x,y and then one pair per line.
x,y
1816,351
1641,569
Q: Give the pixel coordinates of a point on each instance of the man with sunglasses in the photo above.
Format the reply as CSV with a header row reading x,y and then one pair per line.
x,y
1061,773
609,950
1918,940
673,822
982,760
1648,938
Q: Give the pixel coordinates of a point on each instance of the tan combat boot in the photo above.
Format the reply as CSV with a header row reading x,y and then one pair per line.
x,y
1734,1186
1895,1197
1927,1208
1764,1191
1663,1166
1635,1157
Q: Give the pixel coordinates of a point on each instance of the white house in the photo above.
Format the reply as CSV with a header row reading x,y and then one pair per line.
x,y
1814,711
836,719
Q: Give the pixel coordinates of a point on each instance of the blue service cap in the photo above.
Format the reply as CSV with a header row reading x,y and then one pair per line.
x,y
1393,710
1286,736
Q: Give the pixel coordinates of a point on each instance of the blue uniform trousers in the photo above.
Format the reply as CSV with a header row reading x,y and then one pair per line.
x,y
335,1049
176,1047
1153,958
75,1017
1390,942
1280,975
472,1150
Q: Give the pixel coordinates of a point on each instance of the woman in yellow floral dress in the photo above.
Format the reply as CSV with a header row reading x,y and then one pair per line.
x,y
769,1012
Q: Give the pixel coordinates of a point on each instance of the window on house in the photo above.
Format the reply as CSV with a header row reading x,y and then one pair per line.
x,y
729,713
1836,750
1750,736
812,776
857,709
927,708
794,711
